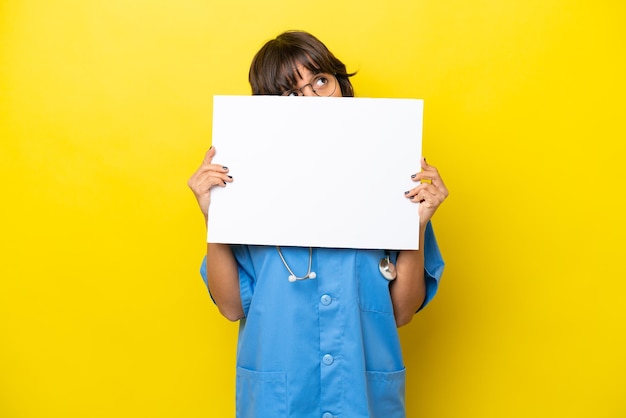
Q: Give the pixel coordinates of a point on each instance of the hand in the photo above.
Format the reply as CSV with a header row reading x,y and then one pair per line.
x,y
430,193
205,178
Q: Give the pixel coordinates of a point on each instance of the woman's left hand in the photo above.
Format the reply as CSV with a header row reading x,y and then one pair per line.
x,y
430,193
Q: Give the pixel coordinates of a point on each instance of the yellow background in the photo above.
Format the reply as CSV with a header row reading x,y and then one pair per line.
x,y
105,111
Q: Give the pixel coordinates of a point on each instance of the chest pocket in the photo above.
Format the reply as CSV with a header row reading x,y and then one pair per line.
x,y
373,287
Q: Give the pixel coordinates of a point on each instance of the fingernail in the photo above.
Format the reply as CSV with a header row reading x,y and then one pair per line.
x,y
224,168
413,176
407,192
230,177
211,148
224,182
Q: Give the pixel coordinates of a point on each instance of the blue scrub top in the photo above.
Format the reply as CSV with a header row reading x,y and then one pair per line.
x,y
321,348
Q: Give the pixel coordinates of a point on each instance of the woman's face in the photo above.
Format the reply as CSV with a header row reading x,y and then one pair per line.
x,y
306,82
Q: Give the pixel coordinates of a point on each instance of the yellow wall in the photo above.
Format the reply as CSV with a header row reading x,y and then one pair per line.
x,y
105,110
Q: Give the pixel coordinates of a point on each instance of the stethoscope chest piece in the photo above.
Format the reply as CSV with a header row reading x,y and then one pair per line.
x,y
387,268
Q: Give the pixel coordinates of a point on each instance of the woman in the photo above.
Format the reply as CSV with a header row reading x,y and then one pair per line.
x,y
324,344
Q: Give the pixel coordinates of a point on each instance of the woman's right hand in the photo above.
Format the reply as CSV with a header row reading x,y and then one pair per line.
x,y
205,178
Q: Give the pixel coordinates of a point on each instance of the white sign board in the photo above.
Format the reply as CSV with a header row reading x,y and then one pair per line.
x,y
320,172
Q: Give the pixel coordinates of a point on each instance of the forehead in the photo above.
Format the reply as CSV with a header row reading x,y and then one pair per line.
x,y
302,72
293,71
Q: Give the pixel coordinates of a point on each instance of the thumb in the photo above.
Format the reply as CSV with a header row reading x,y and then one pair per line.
x,y
208,157
423,163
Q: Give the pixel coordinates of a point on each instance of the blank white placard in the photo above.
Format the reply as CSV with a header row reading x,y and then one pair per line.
x,y
321,172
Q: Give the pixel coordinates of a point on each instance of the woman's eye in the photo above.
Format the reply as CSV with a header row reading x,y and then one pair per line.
x,y
293,93
321,81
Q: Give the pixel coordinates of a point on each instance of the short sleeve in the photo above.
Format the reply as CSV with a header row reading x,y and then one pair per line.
x,y
433,264
204,277
246,275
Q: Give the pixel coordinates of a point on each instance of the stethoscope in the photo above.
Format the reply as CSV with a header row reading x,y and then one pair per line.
x,y
385,266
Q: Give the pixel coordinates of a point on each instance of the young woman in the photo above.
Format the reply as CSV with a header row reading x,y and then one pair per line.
x,y
318,326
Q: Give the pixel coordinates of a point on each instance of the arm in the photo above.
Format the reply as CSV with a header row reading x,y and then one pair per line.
x,y
222,272
223,279
409,289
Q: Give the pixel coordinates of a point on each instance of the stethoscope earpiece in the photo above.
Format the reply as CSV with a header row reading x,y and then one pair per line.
x,y
292,276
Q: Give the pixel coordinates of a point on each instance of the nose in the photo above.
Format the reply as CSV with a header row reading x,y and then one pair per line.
x,y
307,90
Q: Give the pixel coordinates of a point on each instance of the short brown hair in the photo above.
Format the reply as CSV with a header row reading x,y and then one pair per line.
x,y
273,69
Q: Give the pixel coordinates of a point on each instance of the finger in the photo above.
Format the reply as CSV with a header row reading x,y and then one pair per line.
x,y
212,178
433,197
208,157
207,163
415,191
422,197
207,166
426,191
202,181
426,174
430,174
213,170
207,174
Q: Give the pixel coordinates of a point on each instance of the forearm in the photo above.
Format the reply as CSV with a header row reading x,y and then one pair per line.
x,y
409,289
223,280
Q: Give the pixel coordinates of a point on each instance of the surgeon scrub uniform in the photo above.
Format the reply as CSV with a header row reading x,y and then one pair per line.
x,y
321,348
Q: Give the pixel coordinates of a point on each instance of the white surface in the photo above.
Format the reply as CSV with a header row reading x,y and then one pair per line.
x,y
321,172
